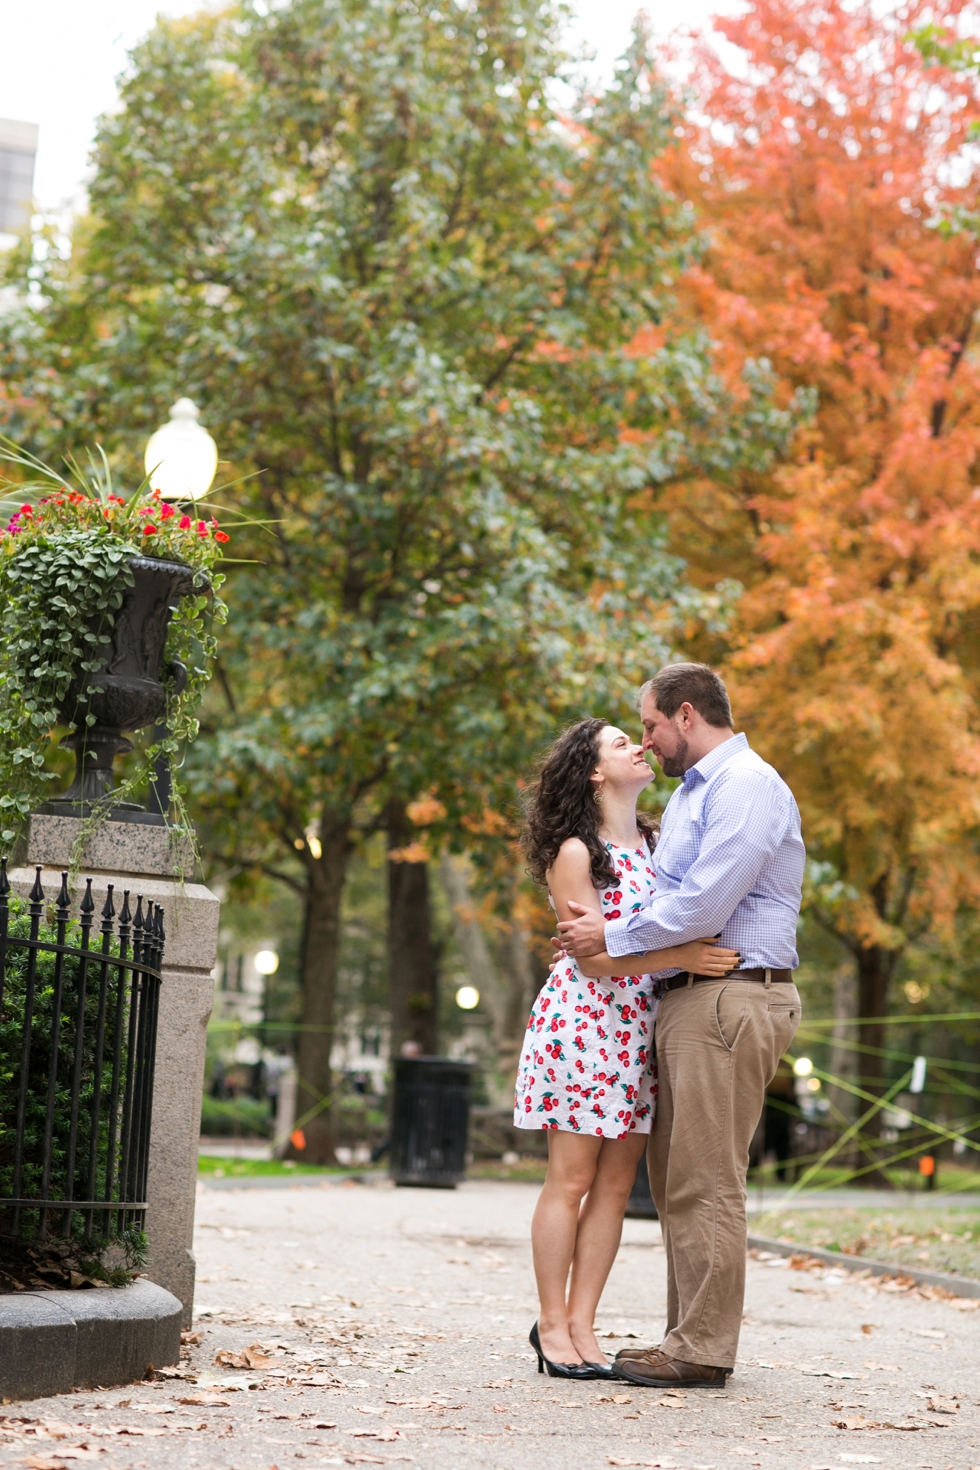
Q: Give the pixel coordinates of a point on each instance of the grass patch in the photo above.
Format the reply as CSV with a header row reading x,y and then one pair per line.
x,y
529,1171
930,1240
210,1167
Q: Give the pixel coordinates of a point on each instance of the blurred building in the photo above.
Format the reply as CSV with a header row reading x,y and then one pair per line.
x,y
18,148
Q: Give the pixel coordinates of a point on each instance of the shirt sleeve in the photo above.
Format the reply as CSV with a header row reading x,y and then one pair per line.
x,y
745,820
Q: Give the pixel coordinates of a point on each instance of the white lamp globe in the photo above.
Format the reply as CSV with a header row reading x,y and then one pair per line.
x,y
267,962
467,997
181,458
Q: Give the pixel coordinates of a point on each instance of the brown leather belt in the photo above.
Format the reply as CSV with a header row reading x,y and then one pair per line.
x,y
774,977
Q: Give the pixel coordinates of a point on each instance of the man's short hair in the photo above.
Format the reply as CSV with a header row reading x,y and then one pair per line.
x,y
695,684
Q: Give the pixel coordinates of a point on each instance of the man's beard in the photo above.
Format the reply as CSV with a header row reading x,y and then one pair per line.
x,y
676,764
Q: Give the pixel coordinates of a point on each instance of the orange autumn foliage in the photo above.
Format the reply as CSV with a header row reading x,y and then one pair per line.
x,y
855,659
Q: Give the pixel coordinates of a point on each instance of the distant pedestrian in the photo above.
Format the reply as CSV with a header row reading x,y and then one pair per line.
x,y
586,1070
729,861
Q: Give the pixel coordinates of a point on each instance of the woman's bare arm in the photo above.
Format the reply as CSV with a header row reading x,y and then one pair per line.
x,y
703,956
570,879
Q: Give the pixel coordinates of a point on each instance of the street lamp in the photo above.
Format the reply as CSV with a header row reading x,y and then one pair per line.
x,y
267,962
467,997
181,457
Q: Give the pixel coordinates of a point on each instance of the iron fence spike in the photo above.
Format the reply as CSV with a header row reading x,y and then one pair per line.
x,y
36,894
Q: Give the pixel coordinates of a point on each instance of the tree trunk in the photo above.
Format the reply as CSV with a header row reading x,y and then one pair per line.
x,y
874,968
412,968
843,1104
874,971
321,945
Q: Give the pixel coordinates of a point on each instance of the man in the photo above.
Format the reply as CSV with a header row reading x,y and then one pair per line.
x,y
729,862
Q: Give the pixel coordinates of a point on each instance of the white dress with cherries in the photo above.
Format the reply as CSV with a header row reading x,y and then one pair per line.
x,y
587,1064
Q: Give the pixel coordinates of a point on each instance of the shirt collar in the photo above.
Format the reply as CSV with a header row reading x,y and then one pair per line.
x,y
716,758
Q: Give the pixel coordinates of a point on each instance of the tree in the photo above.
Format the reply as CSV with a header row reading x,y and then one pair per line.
x,y
818,166
434,315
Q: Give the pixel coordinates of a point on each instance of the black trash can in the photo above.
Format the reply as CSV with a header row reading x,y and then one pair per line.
x,y
430,1115
640,1205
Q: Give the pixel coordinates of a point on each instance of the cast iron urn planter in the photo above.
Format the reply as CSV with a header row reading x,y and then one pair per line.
x,y
127,692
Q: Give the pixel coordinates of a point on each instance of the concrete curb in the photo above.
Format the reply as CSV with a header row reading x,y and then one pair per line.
x,y
958,1285
54,1341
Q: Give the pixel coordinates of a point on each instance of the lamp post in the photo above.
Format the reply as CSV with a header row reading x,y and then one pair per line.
x,y
180,460
181,457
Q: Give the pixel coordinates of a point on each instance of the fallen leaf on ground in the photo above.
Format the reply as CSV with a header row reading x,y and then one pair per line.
x,y
859,1423
616,1398
861,1459
188,1337
39,1462
208,1400
829,1373
250,1357
142,1431
499,1383
940,1405
154,1409
883,1367
436,1403
663,1464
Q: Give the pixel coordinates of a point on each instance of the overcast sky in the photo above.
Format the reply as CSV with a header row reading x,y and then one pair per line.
x,y
62,58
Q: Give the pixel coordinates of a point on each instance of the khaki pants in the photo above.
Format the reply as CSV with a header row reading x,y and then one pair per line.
x,y
718,1046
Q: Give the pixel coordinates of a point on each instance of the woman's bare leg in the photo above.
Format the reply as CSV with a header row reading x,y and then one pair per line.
x,y
600,1226
572,1161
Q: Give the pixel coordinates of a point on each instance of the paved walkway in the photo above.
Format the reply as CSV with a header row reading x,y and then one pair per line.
x,y
381,1326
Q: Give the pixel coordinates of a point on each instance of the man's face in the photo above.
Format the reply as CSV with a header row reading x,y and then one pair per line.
x,y
666,737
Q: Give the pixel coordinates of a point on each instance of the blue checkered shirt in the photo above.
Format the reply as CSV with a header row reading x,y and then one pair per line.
x,y
729,861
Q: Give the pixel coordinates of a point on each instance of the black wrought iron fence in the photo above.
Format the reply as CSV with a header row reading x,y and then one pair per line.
x,y
78,1023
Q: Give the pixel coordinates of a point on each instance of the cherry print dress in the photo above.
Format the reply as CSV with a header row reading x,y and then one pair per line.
x,y
587,1063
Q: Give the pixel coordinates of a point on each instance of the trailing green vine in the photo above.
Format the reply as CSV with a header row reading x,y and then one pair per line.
x,y
65,556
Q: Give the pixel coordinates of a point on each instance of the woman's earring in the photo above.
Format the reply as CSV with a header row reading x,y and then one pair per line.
x,y
597,795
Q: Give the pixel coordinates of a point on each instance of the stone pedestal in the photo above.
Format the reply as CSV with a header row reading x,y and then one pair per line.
x,y
142,859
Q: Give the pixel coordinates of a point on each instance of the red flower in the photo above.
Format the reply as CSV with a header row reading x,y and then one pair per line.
x,y
221,536
149,530
184,523
166,511
201,528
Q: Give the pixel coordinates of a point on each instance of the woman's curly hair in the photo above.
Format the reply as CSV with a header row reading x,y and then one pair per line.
x,y
563,805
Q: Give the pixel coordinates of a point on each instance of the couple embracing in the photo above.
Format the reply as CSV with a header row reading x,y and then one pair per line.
x,y
675,1056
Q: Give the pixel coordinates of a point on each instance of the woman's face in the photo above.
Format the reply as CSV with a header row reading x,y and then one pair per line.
x,y
621,766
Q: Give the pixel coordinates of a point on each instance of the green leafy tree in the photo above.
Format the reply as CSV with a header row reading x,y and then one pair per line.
x,y
433,314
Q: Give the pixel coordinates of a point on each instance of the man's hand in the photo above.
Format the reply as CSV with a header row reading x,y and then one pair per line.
x,y
585,934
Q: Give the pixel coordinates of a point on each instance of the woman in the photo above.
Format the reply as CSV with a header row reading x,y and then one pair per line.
x,y
587,1072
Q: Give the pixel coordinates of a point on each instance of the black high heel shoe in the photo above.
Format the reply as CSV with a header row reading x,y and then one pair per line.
x,y
601,1370
559,1370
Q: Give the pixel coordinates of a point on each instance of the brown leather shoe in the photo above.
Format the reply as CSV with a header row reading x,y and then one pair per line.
x,y
641,1354
664,1372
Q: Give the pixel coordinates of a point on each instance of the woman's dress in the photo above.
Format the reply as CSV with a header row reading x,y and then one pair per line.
x,y
587,1063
